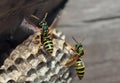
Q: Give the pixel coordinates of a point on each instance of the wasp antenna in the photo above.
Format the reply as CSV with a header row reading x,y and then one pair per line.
x,y
55,22
83,39
45,15
74,39
35,17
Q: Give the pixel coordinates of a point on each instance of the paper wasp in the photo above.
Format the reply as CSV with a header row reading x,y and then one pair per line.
x,y
46,35
76,59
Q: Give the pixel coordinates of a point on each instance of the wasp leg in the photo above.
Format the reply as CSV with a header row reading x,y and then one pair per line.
x,y
51,33
38,33
37,38
33,16
37,41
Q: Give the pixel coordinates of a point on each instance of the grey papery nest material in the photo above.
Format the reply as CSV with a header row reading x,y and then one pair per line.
x,y
29,63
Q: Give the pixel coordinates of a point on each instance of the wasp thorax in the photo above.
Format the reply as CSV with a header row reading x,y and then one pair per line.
x,y
45,28
79,49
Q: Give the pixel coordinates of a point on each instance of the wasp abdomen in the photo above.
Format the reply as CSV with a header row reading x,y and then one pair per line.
x,y
80,68
48,44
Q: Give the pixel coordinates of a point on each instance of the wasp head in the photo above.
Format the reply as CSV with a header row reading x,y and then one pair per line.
x,y
78,45
43,24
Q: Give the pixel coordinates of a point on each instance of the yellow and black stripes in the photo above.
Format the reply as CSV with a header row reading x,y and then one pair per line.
x,y
46,39
48,45
76,59
80,68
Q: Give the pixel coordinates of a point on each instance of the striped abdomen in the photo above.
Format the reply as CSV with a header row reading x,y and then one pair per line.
x,y
48,45
80,68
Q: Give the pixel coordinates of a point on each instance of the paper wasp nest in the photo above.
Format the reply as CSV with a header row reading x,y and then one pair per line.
x,y
30,64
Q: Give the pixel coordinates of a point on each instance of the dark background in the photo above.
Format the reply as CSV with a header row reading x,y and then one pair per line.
x,y
97,24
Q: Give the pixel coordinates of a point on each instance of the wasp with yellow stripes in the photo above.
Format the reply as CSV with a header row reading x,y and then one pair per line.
x,y
46,38
76,59
80,68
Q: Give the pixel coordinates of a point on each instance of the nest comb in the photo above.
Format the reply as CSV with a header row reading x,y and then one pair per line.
x,y
29,63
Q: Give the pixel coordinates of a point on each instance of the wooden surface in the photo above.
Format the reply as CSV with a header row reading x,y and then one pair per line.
x,y
97,24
